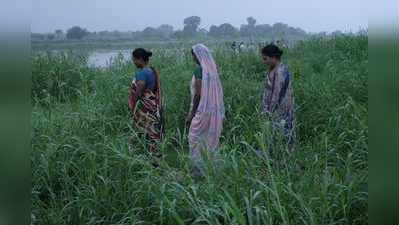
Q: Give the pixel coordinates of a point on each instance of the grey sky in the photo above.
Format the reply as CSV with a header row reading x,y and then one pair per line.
x,y
124,15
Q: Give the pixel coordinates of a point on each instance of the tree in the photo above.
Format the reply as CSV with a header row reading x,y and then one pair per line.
x,y
251,21
103,33
178,34
203,33
59,32
263,30
76,32
224,30
248,30
135,35
50,36
280,30
191,25
296,31
37,36
337,33
165,30
150,32
321,34
214,31
228,30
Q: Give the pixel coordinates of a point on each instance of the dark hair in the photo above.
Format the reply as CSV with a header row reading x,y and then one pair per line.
x,y
141,53
272,50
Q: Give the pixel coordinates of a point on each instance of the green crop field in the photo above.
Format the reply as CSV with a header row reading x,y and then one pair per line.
x,y
85,172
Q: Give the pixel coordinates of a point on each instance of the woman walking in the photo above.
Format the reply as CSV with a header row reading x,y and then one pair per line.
x,y
145,100
278,98
206,115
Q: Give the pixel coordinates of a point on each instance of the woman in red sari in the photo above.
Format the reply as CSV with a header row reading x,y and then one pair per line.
x,y
145,100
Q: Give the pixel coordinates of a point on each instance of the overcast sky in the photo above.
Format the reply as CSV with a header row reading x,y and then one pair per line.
x,y
125,15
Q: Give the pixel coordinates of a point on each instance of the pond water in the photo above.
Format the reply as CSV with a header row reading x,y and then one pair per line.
x,y
104,58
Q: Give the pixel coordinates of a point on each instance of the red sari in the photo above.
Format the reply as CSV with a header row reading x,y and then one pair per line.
x,y
147,112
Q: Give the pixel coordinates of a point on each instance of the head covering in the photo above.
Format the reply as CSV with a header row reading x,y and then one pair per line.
x,y
206,126
212,92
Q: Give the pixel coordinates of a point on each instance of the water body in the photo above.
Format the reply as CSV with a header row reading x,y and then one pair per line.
x,y
104,58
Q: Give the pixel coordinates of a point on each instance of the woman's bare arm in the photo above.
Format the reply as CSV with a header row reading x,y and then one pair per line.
x,y
196,100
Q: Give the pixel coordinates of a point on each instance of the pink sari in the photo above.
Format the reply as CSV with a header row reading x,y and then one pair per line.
x,y
206,126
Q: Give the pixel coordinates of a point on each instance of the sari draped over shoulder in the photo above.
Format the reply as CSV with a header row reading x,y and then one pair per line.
x,y
278,101
206,126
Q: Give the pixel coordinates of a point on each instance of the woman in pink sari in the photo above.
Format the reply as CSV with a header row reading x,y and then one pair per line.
x,y
206,115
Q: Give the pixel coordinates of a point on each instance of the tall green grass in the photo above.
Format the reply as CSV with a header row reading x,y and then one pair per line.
x,y
84,171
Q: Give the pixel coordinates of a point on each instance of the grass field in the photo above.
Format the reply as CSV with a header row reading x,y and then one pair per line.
x,y
84,172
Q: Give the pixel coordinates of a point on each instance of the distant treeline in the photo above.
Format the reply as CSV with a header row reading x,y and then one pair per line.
x,y
191,30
